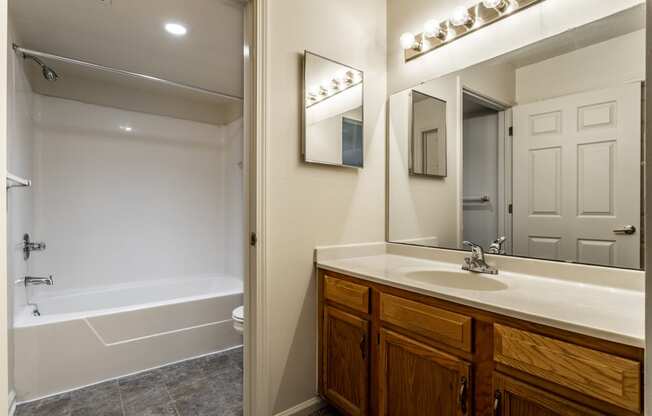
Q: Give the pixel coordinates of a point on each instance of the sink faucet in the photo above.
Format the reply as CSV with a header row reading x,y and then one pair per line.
x,y
497,246
36,281
476,263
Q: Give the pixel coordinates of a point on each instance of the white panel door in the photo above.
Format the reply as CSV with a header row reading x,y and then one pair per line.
x,y
577,177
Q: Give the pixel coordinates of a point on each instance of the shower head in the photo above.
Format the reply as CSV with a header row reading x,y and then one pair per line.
x,y
48,73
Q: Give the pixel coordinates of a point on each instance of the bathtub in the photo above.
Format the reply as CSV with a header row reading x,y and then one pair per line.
x,y
87,336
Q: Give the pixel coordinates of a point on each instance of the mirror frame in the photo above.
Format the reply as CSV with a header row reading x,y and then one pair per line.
x,y
445,136
304,125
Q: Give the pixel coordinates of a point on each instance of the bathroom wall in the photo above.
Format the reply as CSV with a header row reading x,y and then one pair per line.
x,y
312,205
20,145
549,18
599,66
122,196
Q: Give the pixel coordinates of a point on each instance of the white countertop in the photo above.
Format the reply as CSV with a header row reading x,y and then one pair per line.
x,y
610,313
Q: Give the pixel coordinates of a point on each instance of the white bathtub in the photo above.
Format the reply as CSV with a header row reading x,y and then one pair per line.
x,y
86,336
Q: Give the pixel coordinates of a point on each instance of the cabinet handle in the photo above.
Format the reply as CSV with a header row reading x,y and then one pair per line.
x,y
363,347
497,398
462,394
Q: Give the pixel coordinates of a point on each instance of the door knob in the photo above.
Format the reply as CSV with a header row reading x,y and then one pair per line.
x,y
626,230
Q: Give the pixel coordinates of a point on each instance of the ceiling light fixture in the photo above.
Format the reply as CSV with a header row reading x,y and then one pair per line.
x,y
408,41
462,21
499,5
341,81
461,17
432,29
176,29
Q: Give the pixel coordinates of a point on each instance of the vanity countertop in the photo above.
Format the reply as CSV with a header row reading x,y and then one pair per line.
x,y
610,313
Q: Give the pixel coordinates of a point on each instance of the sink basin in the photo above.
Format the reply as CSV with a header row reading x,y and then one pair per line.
x,y
457,280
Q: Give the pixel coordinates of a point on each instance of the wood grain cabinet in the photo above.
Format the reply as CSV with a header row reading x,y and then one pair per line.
x,y
418,380
346,361
514,398
389,352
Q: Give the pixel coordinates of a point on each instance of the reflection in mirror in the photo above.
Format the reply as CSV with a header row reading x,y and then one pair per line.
x,y
333,113
428,135
543,150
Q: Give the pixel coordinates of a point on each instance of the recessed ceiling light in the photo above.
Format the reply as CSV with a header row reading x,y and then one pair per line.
x,y
126,128
176,29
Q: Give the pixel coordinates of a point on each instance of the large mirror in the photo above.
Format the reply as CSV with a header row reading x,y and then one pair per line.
x,y
428,136
333,113
537,153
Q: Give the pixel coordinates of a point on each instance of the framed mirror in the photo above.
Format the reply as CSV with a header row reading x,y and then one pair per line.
x,y
333,112
428,136
544,150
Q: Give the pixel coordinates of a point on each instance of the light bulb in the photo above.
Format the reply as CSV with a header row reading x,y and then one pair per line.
x,y
461,17
495,4
408,41
431,29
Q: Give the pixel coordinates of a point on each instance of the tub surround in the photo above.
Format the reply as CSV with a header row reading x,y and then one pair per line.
x,y
600,302
399,323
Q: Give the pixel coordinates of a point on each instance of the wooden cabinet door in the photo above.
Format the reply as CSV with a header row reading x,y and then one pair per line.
x,y
515,398
345,354
418,380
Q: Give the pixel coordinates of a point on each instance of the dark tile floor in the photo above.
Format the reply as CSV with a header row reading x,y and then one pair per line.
x,y
207,386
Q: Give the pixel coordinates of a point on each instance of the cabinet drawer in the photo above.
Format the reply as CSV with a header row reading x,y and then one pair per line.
x,y
346,293
597,374
438,324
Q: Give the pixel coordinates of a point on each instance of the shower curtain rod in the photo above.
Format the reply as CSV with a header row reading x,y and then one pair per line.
x,y
99,67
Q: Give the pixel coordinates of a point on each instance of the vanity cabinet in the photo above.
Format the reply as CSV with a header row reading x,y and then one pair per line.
x,y
346,360
391,352
514,398
416,379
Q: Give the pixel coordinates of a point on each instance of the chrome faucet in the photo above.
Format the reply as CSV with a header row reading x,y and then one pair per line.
x,y
497,246
36,281
476,263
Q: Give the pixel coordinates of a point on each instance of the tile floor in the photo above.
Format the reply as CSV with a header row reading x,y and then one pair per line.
x,y
207,386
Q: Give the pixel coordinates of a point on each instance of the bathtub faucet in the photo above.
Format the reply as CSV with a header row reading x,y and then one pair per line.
x,y
36,281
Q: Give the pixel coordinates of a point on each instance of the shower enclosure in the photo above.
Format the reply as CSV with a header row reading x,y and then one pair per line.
x,y
133,181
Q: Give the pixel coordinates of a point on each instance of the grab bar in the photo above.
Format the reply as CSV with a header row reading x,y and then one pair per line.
x,y
482,199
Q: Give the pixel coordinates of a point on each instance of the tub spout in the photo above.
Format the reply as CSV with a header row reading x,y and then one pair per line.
x,y
35,281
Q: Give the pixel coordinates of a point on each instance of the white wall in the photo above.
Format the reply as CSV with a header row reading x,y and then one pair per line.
x,y
117,207
314,205
603,65
544,20
430,207
20,145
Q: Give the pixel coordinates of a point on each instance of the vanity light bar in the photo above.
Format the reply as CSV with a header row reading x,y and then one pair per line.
x,y
462,22
341,82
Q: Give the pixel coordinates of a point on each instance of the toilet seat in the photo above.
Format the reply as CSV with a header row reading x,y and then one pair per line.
x,y
238,314
238,319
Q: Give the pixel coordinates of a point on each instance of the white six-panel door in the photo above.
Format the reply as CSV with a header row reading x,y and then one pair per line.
x,y
577,179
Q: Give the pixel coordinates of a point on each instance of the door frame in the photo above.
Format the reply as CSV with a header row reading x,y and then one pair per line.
x,y
4,324
505,145
257,374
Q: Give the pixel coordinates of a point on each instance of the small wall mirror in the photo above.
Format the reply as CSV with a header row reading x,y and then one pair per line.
x,y
428,138
333,115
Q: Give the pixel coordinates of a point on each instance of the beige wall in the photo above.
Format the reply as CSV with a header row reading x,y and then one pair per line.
x,y
544,20
314,205
603,65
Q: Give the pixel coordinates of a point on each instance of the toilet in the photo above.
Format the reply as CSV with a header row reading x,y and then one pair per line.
x,y
238,319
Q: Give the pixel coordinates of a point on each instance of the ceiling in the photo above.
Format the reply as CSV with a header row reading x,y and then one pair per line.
x,y
130,35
